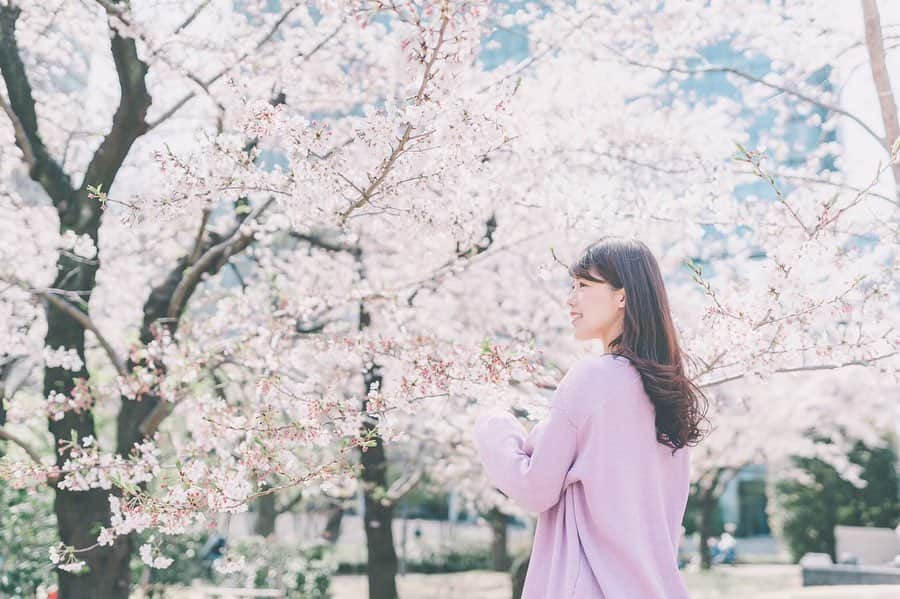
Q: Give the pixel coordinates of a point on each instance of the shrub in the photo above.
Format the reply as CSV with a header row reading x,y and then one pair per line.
x,y
27,530
810,511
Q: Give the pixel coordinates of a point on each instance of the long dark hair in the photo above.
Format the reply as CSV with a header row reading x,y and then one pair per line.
x,y
648,337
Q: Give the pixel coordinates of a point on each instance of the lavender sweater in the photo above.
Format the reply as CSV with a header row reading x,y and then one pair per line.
x,y
611,498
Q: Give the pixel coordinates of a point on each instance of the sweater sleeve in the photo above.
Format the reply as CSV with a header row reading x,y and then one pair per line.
x,y
530,469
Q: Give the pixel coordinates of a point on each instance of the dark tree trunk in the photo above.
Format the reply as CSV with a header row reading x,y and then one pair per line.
x,y
381,567
332,530
500,560
80,513
707,513
379,517
264,525
382,563
518,576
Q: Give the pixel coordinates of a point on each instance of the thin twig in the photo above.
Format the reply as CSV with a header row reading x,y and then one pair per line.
x,y
863,362
744,75
388,163
192,16
78,316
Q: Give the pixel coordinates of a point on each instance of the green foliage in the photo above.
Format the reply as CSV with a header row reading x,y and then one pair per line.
x,y
691,520
303,572
454,560
426,504
27,530
186,567
811,511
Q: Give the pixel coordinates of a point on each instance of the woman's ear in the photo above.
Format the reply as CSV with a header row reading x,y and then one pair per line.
x,y
622,299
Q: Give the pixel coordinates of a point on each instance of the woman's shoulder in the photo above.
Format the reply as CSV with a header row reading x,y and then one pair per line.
x,y
598,382
597,367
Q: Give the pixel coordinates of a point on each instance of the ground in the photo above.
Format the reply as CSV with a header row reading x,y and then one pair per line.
x,y
741,582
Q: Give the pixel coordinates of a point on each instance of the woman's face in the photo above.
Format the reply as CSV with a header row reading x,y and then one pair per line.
x,y
596,309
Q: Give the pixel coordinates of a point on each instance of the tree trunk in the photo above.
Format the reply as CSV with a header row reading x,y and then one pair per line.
x,y
264,525
382,562
707,512
332,530
518,576
80,513
881,77
500,560
379,518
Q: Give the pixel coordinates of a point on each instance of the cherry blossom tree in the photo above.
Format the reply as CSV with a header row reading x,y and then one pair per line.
x,y
187,335
304,235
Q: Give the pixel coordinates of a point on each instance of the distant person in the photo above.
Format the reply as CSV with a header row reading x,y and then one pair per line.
x,y
609,469
213,549
726,547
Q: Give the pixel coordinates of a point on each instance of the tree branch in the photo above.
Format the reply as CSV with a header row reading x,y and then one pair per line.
x,y
43,169
875,47
826,182
404,485
290,503
319,241
198,241
7,390
539,56
159,413
21,136
388,163
192,16
744,75
86,323
31,451
220,252
129,119
54,297
862,362
205,84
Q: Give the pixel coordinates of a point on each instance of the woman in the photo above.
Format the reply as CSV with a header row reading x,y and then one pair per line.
x,y
609,469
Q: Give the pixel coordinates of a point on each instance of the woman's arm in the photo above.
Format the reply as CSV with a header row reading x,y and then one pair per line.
x,y
531,469
535,479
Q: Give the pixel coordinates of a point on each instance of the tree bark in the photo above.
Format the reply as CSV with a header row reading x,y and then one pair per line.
x,y
707,511
264,525
500,560
78,513
518,576
332,530
886,100
382,563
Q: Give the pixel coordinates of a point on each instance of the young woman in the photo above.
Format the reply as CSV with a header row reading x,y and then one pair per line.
x,y
609,469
